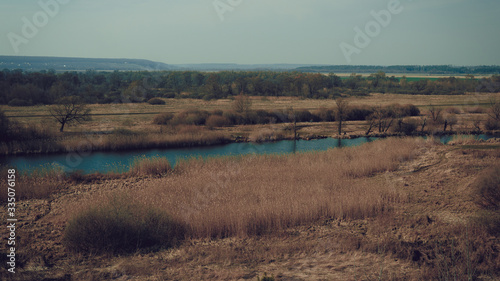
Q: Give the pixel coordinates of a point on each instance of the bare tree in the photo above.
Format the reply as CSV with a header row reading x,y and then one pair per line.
x,y
242,103
341,113
450,120
435,113
494,110
70,110
384,118
372,121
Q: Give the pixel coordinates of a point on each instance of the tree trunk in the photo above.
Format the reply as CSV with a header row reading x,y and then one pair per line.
x,y
340,127
62,127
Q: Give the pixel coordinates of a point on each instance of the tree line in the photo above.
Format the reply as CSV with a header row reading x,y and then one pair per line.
x,y
19,88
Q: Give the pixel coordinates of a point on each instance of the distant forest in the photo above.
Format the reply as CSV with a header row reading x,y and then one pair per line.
x,y
407,69
19,88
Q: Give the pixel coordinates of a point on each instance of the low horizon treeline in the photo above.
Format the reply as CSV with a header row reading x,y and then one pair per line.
x,y
19,88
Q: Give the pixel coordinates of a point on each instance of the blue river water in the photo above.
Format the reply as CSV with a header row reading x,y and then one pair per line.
x,y
103,162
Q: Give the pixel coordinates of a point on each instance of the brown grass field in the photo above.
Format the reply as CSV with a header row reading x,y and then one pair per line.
x,y
100,132
394,209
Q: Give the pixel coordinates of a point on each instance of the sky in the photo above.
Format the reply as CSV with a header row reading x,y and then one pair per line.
x,y
333,32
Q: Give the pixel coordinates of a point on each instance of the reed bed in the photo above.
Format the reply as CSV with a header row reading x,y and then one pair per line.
x,y
39,184
254,195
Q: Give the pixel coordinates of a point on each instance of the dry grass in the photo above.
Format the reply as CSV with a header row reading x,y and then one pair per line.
x,y
182,137
39,184
150,166
422,224
260,194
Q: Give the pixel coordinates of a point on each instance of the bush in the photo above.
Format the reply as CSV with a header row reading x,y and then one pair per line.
x,y
120,226
492,124
234,117
217,121
123,132
163,118
358,113
19,102
325,115
487,187
156,101
409,110
407,127
190,117
304,116
453,110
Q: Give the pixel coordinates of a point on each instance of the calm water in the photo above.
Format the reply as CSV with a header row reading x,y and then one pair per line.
x,y
120,161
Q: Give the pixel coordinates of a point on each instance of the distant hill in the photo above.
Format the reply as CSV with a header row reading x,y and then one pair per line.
x,y
61,64
404,69
78,64
241,67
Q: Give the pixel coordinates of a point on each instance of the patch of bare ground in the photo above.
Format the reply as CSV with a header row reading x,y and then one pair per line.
x,y
428,234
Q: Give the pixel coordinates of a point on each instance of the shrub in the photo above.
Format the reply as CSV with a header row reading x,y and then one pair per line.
x,y
217,112
475,110
190,117
453,110
325,115
234,117
407,127
156,101
409,110
19,102
217,121
358,113
123,132
487,187
121,226
264,117
304,116
163,118
492,124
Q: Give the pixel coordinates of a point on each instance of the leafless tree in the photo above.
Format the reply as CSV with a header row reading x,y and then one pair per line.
x,y
435,113
242,103
70,110
494,110
341,113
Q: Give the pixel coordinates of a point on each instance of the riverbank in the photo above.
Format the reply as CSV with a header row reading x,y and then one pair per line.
x,y
178,123
121,140
412,216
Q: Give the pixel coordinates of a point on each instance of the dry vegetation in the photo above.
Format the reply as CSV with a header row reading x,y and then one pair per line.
x,y
396,209
181,123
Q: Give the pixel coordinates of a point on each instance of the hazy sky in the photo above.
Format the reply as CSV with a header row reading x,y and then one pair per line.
x,y
457,32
